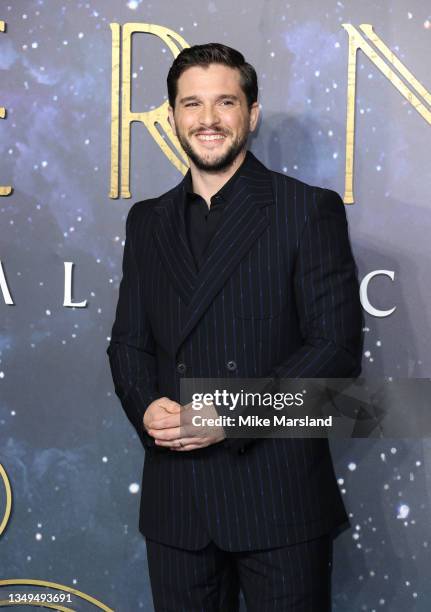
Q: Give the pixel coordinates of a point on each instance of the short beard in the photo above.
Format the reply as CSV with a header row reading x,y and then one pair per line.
x,y
218,165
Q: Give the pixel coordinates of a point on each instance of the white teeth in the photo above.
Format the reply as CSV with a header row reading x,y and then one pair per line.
x,y
210,137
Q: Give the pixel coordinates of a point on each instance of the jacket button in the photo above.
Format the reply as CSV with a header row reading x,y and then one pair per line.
x,y
181,367
231,366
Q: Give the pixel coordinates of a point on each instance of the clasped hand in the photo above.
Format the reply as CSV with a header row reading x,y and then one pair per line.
x,y
170,424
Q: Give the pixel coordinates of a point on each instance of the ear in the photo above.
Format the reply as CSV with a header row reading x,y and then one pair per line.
x,y
171,119
254,115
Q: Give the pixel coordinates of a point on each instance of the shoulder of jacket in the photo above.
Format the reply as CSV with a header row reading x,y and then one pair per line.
x,y
293,183
139,215
142,207
308,194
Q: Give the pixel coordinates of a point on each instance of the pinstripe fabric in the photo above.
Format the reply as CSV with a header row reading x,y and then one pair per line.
x,y
278,296
205,580
294,578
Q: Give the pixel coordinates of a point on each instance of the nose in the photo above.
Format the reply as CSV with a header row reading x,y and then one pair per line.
x,y
209,115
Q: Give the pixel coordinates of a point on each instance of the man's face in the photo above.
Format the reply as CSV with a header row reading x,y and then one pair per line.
x,y
211,117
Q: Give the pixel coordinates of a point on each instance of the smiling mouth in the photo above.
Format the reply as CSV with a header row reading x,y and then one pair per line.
x,y
205,137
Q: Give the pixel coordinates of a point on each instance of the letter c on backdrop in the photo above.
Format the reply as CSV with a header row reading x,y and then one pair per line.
x,y
363,293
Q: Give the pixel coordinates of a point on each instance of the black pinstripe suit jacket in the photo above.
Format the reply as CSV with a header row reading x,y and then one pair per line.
x,y
277,296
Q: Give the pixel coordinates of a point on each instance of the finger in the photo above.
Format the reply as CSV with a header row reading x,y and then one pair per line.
x,y
165,422
168,405
164,443
172,407
188,443
165,434
188,447
173,445
193,443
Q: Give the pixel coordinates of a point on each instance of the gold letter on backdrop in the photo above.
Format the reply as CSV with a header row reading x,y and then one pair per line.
x,y
4,191
388,67
121,114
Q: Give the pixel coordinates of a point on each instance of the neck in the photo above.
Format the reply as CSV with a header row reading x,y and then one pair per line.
x,y
206,184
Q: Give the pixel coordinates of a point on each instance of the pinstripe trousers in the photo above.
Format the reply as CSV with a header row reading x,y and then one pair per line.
x,y
295,578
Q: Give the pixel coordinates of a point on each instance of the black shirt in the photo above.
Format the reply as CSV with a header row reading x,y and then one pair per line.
x,y
202,222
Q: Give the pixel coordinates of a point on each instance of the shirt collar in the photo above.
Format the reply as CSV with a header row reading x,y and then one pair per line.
x,y
225,192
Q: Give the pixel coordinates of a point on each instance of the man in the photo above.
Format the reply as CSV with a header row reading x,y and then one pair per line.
x,y
237,272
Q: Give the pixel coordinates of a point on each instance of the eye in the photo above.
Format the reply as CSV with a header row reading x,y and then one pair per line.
x,y
229,102
191,103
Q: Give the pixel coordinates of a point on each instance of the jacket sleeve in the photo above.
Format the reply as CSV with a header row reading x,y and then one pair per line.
x,y
132,349
327,297
327,300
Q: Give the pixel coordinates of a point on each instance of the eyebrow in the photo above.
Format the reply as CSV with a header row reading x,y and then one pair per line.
x,y
193,98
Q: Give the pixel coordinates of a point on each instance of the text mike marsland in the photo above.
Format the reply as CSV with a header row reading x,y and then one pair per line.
x,y
277,420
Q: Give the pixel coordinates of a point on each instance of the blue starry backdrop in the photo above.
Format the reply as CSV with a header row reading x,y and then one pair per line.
x,y
72,458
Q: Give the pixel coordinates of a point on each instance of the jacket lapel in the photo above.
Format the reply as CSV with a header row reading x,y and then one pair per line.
x,y
171,239
243,221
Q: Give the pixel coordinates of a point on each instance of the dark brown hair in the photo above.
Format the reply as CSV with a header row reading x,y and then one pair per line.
x,y
213,53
